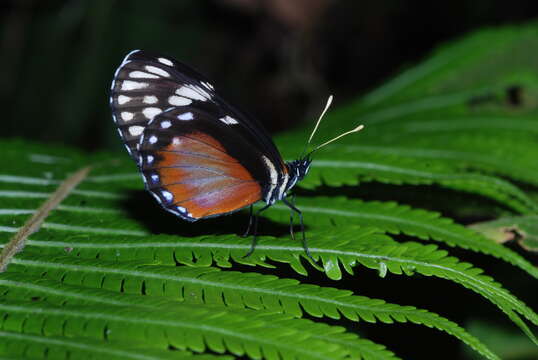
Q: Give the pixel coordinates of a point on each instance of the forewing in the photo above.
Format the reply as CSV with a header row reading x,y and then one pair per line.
x,y
145,85
197,166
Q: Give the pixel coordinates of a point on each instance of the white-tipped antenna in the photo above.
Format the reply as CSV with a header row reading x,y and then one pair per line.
x,y
358,128
329,102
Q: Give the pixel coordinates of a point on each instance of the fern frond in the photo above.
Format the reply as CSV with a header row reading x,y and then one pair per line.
x,y
345,249
365,349
388,217
18,345
214,287
395,219
350,168
211,286
192,327
446,141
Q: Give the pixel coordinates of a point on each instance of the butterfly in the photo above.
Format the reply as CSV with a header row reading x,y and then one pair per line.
x,y
199,156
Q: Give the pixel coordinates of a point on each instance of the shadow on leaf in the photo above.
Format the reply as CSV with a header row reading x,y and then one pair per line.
x,y
141,207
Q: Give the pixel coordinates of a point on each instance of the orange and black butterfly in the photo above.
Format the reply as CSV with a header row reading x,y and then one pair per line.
x,y
199,156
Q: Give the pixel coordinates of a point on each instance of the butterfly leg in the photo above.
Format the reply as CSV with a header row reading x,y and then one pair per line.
x,y
255,238
305,246
249,223
291,217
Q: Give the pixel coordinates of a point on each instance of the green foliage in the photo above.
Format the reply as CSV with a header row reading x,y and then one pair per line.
x,y
507,344
523,229
108,274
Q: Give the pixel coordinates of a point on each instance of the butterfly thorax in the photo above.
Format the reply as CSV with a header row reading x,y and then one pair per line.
x,y
284,180
297,170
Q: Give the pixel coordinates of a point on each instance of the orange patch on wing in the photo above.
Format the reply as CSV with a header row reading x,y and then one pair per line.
x,y
189,189
198,152
200,144
208,140
224,200
203,178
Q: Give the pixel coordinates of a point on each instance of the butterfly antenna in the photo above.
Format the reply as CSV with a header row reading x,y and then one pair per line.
x,y
329,102
357,129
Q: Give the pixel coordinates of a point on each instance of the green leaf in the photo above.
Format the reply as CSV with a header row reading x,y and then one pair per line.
x,y
510,345
523,229
352,167
211,286
185,326
36,346
395,219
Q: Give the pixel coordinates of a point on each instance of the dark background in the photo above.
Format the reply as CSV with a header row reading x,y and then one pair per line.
x,y
279,59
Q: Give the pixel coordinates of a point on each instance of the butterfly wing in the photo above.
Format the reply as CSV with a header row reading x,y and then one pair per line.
x,y
197,166
145,85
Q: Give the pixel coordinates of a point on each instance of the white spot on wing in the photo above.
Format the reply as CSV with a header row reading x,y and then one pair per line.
x,y
176,140
136,130
154,177
181,209
133,85
151,112
142,75
149,159
208,85
193,92
186,116
165,124
165,61
158,71
152,139
126,116
167,195
122,99
179,100
228,120
150,99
